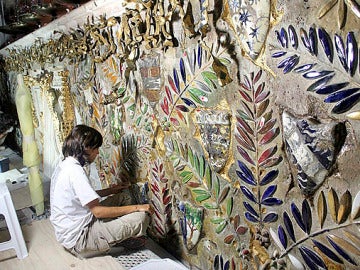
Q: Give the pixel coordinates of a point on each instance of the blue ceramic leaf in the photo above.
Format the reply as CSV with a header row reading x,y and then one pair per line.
x,y
248,194
337,96
284,37
280,39
306,216
182,70
246,171
278,54
320,83
296,214
313,41
272,201
291,64
282,236
244,178
218,262
269,191
326,43
251,217
199,56
269,177
286,60
312,256
346,104
289,226
271,217
331,88
341,251
351,53
227,265
176,79
328,252
316,74
250,209
293,37
305,39
340,49
189,102
304,68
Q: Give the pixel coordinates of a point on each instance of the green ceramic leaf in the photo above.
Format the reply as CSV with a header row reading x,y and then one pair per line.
x,y
229,206
208,177
201,198
186,176
190,157
217,187
221,227
217,220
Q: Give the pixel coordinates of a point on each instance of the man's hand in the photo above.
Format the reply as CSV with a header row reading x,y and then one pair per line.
x,y
145,208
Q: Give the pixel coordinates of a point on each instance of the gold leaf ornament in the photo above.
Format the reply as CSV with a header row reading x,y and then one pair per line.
x,y
345,207
326,8
322,208
333,202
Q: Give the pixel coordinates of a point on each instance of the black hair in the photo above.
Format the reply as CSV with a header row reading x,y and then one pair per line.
x,y
81,139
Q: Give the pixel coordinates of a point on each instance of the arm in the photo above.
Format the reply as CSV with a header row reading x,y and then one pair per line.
x,y
100,211
112,190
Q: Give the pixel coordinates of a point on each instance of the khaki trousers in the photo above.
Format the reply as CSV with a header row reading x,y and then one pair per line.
x,y
101,234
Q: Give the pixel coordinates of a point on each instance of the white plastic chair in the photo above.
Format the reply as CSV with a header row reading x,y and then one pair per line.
x,y
7,209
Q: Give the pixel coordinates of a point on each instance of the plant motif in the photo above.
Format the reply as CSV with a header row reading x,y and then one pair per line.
x,y
345,94
256,129
162,200
198,70
333,244
205,185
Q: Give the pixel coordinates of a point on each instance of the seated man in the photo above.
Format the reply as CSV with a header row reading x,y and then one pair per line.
x,y
84,225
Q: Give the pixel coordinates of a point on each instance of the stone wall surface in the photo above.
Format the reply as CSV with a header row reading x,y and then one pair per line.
x,y
244,117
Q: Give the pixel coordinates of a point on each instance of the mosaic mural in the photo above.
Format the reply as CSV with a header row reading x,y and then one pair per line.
x,y
238,120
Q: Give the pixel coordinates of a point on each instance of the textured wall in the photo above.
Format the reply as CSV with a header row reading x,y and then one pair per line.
x,y
244,116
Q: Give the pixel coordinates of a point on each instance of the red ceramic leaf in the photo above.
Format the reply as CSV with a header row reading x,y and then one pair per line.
x,y
267,126
165,106
268,163
258,76
259,89
228,239
261,97
241,141
245,155
242,123
246,138
168,94
249,113
174,121
223,194
269,136
172,85
241,230
245,96
181,116
182,108
166,200
193,184
245,86
267,154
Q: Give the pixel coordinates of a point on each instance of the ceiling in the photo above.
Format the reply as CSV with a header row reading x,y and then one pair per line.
x,y
21,17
